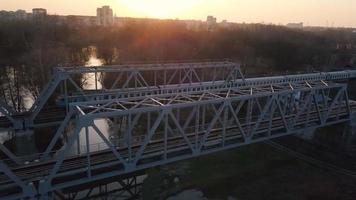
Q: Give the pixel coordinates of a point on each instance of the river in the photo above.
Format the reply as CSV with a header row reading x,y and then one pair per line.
x,y
24,143
90,83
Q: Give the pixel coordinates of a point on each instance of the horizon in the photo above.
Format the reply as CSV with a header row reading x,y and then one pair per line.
x,y
279,12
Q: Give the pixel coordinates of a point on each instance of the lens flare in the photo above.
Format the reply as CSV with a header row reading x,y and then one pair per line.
x,y
161,8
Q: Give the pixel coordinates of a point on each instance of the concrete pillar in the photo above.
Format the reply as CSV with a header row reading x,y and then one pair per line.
x,y
25,143
307,134
349,135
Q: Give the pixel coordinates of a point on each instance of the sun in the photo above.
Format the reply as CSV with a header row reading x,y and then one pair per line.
x,y
160,8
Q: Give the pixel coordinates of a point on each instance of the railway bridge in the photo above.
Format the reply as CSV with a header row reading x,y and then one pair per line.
x,y
159,114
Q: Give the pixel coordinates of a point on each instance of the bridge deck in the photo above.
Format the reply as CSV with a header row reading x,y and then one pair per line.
x,y
47,117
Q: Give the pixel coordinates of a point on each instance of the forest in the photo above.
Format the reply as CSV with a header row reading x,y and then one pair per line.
x,y
30,50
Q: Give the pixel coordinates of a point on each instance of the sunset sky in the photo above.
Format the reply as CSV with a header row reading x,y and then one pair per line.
x,y
311,12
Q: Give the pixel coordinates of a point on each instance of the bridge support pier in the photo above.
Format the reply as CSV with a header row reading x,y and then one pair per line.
x,y
26,144
349,136
118,188
307,134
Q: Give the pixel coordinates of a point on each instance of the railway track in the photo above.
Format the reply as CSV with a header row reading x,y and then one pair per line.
x,y
75,167
311,160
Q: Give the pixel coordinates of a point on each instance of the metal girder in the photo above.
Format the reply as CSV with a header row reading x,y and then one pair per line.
x,y
46,93
143,77
326,76
339,75
154,75
209,85
118,188
133,76
143,67
27,190
126,105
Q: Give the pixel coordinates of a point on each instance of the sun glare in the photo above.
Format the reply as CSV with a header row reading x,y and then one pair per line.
x,y
161,8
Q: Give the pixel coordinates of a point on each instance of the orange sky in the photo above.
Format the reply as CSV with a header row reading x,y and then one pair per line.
x,y
311,12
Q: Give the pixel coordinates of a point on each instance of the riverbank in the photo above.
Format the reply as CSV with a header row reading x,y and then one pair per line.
x,y
249,173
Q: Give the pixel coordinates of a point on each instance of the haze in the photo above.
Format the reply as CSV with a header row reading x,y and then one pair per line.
x,y
337,13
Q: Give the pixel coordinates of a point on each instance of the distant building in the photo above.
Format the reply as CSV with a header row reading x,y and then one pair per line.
x,y
78,20
39,14
193,24
344,46
105,16
21,15
11,15
211,22
295,25
124,21
225,24
5,15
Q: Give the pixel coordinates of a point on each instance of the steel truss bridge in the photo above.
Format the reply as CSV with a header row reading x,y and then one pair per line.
x,y
160,113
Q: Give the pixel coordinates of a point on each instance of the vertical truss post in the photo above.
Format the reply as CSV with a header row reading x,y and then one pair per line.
x,y
315,104
225,121
249,115
346,96
271,116
198,127
333,104
129,135
165,145
87,141
66,96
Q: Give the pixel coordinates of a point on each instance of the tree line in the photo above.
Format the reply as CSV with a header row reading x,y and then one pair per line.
x,y
32,49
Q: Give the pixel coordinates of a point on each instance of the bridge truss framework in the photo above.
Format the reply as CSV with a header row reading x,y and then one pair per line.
x,y
162,114
161,129
142,80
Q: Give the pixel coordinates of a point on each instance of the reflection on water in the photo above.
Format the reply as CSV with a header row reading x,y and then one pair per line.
x,y
96,143
188,194
92,81
4,136
89,80
27,98
25,143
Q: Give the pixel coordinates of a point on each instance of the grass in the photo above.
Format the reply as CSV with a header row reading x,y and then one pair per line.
x,y
257,172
